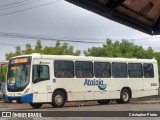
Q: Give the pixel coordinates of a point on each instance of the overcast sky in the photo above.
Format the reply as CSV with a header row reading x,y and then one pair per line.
x,y
61,20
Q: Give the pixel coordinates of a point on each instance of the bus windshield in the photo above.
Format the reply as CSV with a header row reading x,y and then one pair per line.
x,y
18,76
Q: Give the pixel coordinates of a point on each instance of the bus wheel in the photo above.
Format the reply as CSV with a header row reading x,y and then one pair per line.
x,y
36,105
124,97
103,101
58,99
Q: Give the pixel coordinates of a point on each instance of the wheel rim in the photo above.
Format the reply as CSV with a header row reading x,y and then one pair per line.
x,y
125,96
58,99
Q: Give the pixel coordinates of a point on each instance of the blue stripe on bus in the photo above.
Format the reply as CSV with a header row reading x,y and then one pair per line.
x,y
22,99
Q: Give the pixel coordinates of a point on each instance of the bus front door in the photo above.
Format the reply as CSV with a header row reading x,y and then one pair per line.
x,y
41,81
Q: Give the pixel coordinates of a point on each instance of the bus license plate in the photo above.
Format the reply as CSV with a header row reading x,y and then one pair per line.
x,y
14,101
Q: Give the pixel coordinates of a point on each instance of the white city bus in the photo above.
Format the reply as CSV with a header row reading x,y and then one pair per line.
x,y
54,79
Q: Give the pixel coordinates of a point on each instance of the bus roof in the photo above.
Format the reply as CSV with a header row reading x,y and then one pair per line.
x,y
86,58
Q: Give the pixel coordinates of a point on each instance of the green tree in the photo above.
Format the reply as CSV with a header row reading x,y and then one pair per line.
x,y
28,49
3,69
38,47
59,49
120,49
18,50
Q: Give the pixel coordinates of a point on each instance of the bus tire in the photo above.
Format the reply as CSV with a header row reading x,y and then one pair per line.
x,y
4,96
124,97
102,102
36,105
58,99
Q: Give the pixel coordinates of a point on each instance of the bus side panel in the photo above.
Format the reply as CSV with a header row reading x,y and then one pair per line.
x,y
75,96
114,94
49,97
88,95
75,88
152,83
143,93
101,91
98,95
115,85
39,97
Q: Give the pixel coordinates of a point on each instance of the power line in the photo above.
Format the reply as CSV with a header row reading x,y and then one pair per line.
x,y
20,5
73,39
15,45
29,8
10,4
13,35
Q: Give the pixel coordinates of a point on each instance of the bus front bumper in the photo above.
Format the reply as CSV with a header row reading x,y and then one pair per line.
x,y
19,99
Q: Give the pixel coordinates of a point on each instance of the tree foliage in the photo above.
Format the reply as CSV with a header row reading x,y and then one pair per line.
x,y
58,49
120,49
3,70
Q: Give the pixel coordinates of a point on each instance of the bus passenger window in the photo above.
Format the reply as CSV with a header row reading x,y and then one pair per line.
x,y
78,74
84,69
135,70
63,69
89,75
148,70
60,74
119,70
102,69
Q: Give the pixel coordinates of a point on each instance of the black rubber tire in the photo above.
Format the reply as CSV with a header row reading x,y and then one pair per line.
x,y
102,102
4,96
36,105
125,97
58,99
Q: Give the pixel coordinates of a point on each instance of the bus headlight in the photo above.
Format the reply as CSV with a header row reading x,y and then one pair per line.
x,y
26,91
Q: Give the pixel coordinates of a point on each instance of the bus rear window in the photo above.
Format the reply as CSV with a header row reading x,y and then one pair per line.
x,y
148,70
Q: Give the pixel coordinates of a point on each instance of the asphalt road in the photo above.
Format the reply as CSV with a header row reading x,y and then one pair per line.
x,y
84,106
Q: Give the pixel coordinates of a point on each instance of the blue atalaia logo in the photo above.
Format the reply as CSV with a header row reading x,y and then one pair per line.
x,y
94,82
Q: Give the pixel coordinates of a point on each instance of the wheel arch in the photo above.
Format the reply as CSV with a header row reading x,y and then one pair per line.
x,y
129,89
62,90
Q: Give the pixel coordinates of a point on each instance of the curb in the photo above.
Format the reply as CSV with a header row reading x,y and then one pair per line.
x,y
145,102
